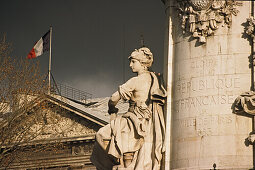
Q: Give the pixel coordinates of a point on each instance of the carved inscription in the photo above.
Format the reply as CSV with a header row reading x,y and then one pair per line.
x,y
203,63
203,67
201,93
203,84
186,123
206,125
194,102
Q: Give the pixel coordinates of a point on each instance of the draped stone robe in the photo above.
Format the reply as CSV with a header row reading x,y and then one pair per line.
x,y
140,130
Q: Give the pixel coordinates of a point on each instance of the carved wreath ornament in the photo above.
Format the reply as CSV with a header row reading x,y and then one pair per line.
x,y
202,17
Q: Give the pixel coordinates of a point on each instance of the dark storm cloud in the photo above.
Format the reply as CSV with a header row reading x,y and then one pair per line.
x,y
91,39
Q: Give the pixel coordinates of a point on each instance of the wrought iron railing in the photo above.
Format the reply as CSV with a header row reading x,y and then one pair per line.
x,y
70,92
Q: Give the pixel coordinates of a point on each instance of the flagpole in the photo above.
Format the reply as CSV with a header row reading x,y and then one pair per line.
x,y
50,59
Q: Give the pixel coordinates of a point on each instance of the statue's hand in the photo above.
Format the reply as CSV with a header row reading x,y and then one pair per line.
x,y
113,116
112,109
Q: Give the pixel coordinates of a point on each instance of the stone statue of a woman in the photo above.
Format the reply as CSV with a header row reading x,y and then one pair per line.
x,y
134,140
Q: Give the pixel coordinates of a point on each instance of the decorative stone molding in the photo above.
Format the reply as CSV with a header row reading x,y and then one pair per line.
x,y
250,140
85,149
62,125
77,150
202,17
249,30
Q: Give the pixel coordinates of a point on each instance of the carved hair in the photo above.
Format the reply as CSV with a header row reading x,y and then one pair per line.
x,y
143,55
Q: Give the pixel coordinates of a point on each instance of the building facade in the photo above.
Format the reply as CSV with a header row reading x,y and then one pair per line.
x,y
67,134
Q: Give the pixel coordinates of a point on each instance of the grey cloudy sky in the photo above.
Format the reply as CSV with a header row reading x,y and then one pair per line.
x,y
91,38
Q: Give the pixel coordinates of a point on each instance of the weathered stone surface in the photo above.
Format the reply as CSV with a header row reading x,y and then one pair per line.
x,y
206,80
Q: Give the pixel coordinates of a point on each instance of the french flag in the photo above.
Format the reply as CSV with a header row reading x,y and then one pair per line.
x,y
40,47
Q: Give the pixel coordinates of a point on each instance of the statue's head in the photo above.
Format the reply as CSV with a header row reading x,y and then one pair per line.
x,y
143,55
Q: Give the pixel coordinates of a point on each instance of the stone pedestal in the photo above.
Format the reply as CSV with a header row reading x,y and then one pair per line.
x,y
206,80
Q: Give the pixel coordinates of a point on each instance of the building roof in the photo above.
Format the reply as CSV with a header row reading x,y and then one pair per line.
x,y
101,105
95,110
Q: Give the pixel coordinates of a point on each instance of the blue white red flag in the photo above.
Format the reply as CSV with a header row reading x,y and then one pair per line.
x,y
40,47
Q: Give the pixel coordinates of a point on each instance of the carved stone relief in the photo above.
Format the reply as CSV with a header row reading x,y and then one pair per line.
x,y
63,125
202,17
250,28
82,149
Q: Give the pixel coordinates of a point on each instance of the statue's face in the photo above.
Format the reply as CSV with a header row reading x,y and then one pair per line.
x,y
136,66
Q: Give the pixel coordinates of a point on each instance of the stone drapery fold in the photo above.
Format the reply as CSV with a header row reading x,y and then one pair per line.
x,y
140,130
